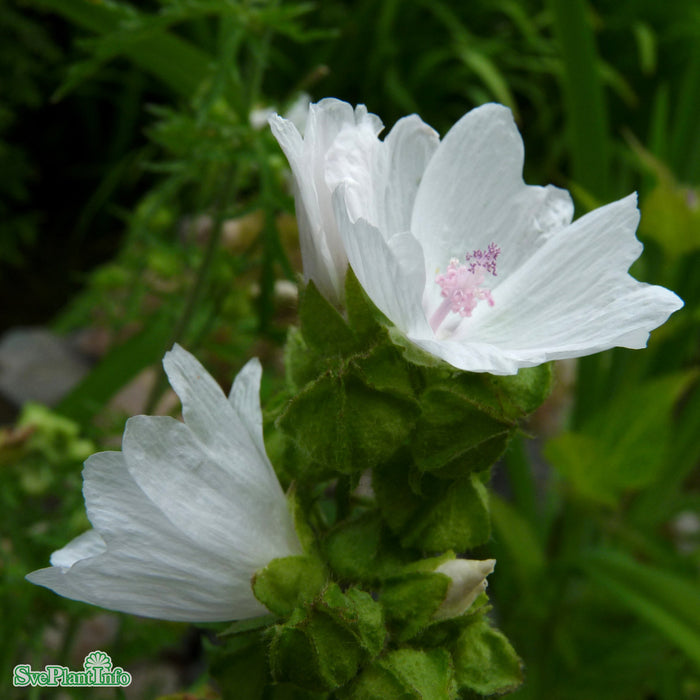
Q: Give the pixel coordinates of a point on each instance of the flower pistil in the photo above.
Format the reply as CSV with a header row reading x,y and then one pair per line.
x,y
461,285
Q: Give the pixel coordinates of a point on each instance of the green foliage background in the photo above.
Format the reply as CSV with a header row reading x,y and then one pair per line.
x,y
137,197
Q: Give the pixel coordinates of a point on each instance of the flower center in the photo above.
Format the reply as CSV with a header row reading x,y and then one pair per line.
x,y
462,284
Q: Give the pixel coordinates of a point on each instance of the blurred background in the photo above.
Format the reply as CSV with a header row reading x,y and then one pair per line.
x,y
143,201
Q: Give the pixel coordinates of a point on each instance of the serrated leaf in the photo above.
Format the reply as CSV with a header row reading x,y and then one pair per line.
x,y
383,369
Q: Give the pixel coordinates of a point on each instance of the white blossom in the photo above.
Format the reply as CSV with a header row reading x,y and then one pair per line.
x,y
467,261
185,514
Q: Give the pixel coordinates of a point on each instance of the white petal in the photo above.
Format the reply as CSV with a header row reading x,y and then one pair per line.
x,y
473,194
411,144
574,296
89,544
381,178
391,272
212,418
130,579
245,399
322,252
140,540
180,525
223,499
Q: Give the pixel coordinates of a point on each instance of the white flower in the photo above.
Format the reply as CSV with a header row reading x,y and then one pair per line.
x,y
468,580
185,514
322,251
473,265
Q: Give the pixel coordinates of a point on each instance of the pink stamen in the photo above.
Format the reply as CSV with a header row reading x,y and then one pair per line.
x,y
461,284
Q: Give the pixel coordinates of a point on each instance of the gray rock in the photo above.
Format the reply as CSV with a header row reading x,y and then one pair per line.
x,y
37,365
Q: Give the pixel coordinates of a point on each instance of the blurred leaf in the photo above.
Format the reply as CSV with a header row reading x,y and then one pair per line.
x,y
583,91
623,446
671,217
175,61
515,534
666,601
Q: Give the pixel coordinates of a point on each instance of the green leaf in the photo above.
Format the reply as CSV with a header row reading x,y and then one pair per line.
x,y
485,662
411,599
445,515
670,218
364,317
623,446
455,435
301,365
383,369
324,329
663,600
523,392
515,534
322,647
288,582
250,625
407,674
651,610
586,109
342,424
363,550
413,354
178,63
240,666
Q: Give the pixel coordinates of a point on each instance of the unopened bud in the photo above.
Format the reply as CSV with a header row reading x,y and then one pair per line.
x,y
468,580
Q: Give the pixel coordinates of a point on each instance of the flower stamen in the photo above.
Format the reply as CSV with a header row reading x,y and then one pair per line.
x,y
462,284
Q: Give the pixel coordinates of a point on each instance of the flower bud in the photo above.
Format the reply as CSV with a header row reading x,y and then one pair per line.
x,y
468,580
